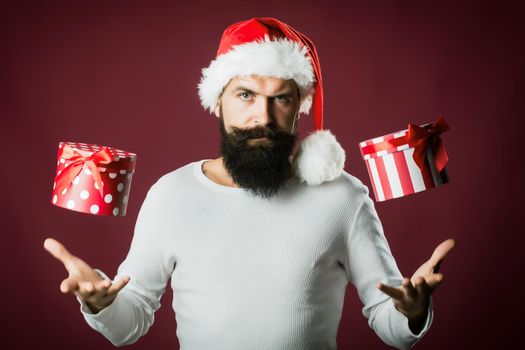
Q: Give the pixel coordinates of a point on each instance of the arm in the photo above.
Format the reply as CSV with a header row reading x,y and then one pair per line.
x,y
369,262
130,313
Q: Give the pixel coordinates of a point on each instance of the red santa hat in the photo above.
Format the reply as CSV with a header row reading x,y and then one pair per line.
x,y
269,47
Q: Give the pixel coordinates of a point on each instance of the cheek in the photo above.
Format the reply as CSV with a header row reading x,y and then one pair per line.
x,y
235,115
288,124
286,118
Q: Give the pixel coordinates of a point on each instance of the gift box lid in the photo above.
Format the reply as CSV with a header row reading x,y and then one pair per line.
x,y
389,143
380,146
122,160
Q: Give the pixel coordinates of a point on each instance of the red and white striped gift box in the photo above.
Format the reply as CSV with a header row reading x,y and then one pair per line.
x,y
407,161
93,179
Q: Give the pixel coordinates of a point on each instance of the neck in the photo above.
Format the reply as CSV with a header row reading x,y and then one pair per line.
x,y
215,171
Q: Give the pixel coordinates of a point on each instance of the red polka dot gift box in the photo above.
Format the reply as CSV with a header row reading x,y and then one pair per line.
x,y
93,179
407,161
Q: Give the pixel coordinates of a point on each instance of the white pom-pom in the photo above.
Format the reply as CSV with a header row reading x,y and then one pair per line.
x,y
320,158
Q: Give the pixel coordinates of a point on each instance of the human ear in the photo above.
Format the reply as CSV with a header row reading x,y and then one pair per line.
x,y
218,109
299,98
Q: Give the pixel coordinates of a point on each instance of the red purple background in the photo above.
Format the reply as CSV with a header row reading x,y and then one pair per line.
x,y
124,74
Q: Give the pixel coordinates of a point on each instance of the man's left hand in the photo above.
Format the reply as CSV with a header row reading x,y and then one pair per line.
x,y
413,297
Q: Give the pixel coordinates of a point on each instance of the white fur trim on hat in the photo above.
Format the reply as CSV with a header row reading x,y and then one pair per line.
x,y
320,158
280,58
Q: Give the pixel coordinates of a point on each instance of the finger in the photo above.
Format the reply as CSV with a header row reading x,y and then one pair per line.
x,y
409,287
85,289
392,292
68,285
103,285
58,250
117,286
441,252
422,287
435,280
101,288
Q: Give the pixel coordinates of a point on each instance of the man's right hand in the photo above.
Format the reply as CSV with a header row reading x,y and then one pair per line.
x,y
83,281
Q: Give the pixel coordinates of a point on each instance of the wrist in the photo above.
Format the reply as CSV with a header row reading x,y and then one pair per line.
x,y
95,308
416,316
417,322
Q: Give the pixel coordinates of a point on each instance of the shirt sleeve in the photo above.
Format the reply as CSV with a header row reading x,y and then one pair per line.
x,y
131,314
370,261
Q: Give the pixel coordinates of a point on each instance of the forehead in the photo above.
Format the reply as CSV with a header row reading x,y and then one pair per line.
x,y
261,84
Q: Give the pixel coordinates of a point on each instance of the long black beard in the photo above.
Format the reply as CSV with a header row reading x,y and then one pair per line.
x,y
263,167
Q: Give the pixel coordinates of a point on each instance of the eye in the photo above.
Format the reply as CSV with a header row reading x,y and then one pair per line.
x,y
282,99
245,96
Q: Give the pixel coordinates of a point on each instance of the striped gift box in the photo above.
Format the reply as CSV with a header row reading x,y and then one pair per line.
x,y
391,165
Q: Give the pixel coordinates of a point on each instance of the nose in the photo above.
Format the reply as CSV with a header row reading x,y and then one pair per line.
x,y
262,112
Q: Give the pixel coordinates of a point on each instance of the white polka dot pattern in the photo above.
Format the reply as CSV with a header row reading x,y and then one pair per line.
x,y
83,193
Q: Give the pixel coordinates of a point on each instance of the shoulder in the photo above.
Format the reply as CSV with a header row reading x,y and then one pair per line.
x,y
349,185
345,191
174,180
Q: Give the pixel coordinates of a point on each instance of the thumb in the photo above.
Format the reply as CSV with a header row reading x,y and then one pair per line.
x,y
441,252
58,250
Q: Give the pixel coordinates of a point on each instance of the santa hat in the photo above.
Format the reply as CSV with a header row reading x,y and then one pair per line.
x,y
269,47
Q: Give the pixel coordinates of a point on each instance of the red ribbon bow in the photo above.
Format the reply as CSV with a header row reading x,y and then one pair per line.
x,y
67,174
423,137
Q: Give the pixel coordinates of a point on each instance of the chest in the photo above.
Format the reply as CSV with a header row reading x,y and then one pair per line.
x,y
250,248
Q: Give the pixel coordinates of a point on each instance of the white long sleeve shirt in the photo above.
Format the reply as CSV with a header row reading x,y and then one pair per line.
x,y
254,273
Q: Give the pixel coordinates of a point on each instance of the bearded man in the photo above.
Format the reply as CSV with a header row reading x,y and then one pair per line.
x,y
261,243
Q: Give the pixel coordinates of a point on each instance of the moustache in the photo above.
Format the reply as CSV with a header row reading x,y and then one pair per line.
x,y
258,132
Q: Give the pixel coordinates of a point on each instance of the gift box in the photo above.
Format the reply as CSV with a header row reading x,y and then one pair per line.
x,y
407,161
93,179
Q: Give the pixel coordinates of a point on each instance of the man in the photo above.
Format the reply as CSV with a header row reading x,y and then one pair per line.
x,y
260,243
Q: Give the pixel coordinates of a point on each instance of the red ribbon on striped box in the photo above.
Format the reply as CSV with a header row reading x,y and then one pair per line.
x,y
407,161
93,179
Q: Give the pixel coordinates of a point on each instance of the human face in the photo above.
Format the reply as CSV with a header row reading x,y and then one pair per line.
x,y
255,101
256,118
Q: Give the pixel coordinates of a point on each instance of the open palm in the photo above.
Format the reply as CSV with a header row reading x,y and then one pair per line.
x,y
83,281
413,297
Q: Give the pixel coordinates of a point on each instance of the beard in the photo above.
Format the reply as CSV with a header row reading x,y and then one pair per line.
x,y
261,167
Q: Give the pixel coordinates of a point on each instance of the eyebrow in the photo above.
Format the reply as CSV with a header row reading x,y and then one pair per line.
x,y
245,89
